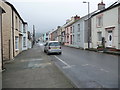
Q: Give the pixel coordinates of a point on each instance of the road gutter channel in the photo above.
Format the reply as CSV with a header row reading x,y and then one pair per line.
x,y
67,76
73,82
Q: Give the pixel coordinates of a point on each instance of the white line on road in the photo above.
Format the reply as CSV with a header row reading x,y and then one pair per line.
x,y
67,65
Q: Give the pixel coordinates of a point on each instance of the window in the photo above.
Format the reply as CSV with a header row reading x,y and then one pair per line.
x,y
99,21
99,36
70,29
73,29
24,29
73,39
16,23
16,43
24,41
78,27
78,38
54,44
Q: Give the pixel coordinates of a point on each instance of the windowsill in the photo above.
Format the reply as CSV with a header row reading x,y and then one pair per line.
x,y
16,50
99,26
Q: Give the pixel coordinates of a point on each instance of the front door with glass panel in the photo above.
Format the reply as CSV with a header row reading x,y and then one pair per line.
x,y
110,39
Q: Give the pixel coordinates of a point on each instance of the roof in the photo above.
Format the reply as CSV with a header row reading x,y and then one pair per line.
x,y
110,7
14,10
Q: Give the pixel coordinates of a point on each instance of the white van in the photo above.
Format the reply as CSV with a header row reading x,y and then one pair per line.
x,y
52,47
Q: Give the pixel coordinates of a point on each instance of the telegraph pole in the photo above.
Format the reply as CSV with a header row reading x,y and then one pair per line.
x,y
33,43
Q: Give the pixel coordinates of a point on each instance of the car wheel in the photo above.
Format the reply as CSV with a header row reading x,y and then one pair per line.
x,y
60,53
47,53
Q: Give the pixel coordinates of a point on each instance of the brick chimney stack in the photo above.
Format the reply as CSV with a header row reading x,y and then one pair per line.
x,y
76,17
101,5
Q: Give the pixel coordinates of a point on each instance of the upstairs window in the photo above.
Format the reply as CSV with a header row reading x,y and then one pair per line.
x,y
78,27
70,29
73,29
99,21
24,31
16,23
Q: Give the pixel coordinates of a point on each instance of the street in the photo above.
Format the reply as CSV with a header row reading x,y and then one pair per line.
x,y
88,69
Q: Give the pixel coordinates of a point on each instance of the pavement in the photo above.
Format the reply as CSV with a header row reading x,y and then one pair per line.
x,y
33,69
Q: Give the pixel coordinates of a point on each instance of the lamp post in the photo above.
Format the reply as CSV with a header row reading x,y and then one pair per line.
x,y
88,22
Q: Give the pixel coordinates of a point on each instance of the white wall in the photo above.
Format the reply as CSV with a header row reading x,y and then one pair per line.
x,y
0,41
110,19
26,36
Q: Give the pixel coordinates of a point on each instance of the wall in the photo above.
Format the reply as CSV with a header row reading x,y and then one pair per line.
x,y
0,39
7,32
110,19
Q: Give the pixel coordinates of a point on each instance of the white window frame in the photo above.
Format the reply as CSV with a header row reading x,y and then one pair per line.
x,y
16,43
99,34
24,41
99,21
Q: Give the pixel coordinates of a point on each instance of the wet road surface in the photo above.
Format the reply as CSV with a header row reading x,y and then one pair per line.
x,y
88,69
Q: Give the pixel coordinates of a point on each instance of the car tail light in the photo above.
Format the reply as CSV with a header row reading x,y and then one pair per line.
x,y
60,47
49,48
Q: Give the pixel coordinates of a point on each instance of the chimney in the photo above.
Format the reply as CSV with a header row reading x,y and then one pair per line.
x,y
76,17
58,27
101,5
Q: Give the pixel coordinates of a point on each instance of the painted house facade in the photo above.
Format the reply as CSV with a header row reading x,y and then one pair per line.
x,y
29,40
63,35
7,34
12,34
80,33
68,30
25,36
106,27
1,56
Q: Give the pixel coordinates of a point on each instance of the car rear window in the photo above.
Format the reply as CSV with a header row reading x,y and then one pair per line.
x,y
54,44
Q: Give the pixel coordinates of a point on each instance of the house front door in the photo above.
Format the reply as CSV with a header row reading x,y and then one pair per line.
x,y
110,39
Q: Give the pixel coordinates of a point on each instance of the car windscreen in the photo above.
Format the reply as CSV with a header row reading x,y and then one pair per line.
x,y
54,44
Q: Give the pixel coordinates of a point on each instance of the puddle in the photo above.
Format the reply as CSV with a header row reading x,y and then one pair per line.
x,y
31,60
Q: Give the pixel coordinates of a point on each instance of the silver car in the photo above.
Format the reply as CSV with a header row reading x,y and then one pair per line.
x,y
52,47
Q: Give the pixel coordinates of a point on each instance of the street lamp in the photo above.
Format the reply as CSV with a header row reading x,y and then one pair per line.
x,y
88,22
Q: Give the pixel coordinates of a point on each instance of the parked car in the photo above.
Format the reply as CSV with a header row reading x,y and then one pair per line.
x,y
52,47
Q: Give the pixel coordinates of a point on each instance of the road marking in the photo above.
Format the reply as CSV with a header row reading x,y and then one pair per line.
x,y
67,65
104,70
85,65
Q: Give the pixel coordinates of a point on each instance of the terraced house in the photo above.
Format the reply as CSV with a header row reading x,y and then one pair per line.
x,y
106,27
12,35
1,57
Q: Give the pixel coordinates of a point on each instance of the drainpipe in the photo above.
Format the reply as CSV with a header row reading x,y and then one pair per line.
x,y
13,31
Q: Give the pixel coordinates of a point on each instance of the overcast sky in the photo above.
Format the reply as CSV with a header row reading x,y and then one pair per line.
x,y
48,14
